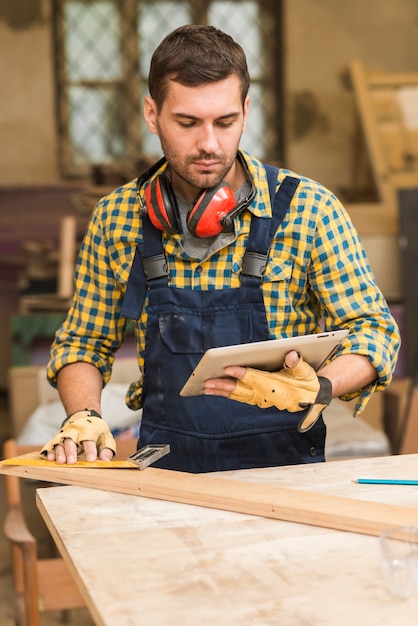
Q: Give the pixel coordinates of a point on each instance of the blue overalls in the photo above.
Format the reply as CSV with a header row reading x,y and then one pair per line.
x,y
209,433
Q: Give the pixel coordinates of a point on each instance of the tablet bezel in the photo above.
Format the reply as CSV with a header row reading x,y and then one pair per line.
x,y
266,355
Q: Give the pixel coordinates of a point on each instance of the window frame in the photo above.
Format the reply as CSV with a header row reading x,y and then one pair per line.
x,y
133,87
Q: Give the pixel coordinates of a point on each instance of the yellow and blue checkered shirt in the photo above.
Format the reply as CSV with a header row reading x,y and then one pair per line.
x,y
317,278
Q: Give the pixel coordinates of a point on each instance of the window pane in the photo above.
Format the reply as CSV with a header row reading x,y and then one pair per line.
x,y
95,124
241,20
253,140
155,21
92,41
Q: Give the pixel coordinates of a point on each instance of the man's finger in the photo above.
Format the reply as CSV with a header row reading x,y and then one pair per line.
x,y
70,451
235,371
106,454
90,450
57,454
291,359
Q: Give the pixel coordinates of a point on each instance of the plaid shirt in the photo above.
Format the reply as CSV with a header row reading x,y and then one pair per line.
x,y
317,278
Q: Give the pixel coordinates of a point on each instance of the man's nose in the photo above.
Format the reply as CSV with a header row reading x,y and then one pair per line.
x,y
207,140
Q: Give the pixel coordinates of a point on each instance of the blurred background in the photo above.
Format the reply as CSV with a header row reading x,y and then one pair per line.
x,y
334,97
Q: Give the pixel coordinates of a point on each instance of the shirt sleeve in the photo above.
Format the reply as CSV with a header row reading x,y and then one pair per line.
x,y
349,296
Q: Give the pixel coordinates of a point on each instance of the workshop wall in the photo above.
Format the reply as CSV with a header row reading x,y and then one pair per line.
x,y
322,37
28,152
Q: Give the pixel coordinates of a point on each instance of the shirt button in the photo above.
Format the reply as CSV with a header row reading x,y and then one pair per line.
x,y
198,269
312,451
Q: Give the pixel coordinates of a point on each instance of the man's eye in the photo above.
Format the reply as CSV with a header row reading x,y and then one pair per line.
x,y
186,124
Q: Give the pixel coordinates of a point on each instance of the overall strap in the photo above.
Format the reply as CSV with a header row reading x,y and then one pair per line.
x,y
149,265
263,230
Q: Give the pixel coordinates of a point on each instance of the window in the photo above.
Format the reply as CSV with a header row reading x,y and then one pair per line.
x,y
103,51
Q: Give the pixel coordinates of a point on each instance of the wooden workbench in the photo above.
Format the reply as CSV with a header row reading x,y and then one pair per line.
x,y
144,561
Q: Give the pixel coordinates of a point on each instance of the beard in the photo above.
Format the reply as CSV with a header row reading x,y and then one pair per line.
x,y
184,168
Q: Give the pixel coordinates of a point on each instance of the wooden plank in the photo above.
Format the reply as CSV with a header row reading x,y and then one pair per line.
x,y
392,144
378,78
188,565
359,80
67,256
270,501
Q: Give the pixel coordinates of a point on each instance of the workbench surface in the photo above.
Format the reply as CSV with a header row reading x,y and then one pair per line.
x,y
144,561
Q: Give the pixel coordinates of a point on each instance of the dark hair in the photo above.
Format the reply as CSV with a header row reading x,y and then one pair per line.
x,y
196,55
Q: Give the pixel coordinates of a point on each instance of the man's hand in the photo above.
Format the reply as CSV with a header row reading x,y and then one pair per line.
x,y
295,387
81,432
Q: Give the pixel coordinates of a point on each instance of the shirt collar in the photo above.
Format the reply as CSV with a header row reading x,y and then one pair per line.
x,y
261,204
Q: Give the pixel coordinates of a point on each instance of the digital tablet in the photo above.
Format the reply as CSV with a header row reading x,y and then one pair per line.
x,y
265,355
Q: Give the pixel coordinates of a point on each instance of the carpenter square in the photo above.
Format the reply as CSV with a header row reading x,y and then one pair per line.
x,y
149,454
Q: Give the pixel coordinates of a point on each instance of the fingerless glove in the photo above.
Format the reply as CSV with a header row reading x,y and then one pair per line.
x,y
292,389
86,425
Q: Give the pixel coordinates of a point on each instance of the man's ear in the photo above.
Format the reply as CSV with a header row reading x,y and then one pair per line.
x,y
246,111
150,114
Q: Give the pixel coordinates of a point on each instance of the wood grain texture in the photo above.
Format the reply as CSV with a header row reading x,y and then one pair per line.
x,y
270,501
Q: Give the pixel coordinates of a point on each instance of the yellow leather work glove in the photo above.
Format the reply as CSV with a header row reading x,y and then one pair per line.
x,y
82,426
292,389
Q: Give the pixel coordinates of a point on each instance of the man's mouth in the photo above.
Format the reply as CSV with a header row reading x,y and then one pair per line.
x,y
206,164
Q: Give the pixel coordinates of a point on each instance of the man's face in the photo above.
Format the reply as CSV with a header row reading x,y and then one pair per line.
x,y
199,130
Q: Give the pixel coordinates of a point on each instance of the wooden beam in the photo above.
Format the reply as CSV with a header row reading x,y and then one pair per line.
x,y
270,501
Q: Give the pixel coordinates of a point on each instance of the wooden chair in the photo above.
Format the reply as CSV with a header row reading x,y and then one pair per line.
x,y
39,585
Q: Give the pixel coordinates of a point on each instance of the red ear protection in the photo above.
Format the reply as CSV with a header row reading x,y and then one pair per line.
x,y
213,209
162,205
206,218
